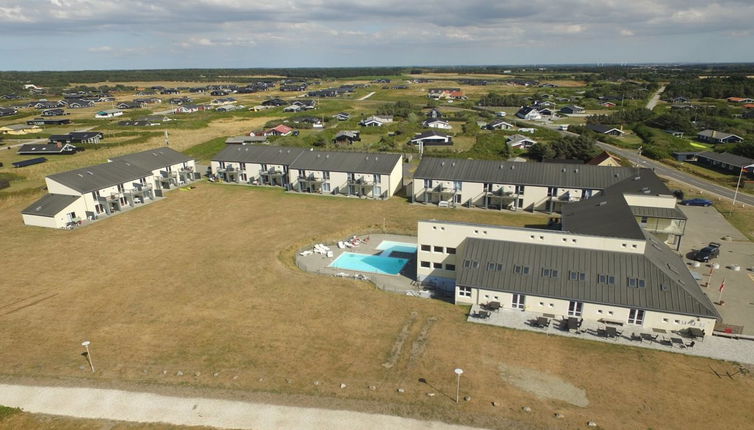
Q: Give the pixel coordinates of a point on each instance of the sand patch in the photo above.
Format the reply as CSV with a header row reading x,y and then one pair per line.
x,y
543,385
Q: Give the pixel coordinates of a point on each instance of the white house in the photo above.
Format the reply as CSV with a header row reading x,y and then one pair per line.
x,y
437,123
109,113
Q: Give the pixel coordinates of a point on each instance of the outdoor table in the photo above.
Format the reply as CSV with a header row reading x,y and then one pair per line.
x,y
573,323
493,306
676,340
483,314
647,337
543,322
696,332
611,331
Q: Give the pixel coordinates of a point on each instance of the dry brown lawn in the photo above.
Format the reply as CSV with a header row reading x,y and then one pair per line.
x,y
203,282
28,421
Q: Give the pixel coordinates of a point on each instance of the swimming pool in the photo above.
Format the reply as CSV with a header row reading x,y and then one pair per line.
x,y
369,263
388,247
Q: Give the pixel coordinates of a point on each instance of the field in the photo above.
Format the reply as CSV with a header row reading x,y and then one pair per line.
x,y
203,283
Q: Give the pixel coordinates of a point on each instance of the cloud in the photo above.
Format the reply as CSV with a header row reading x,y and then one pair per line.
x,y
98,48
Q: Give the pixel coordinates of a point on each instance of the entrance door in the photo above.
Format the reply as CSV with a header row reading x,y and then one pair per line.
x,y
574,309
636,316
518,301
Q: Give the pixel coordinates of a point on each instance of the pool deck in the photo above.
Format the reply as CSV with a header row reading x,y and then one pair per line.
x,y
400,283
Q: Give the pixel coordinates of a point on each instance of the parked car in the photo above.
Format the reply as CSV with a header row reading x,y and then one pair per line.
x,y
696,202
708,252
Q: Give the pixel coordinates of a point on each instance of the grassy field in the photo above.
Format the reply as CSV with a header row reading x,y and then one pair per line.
x,y
204,283
11,419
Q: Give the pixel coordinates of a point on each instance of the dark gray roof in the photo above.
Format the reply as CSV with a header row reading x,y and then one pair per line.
x,y
669,287
430,133
652,212
45,148
49,205
353,162
608,214
100,176
726,158
601,128
716,134
507,172
154,159
283,155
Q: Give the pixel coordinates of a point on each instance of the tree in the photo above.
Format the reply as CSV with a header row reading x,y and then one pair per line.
x,y
542,151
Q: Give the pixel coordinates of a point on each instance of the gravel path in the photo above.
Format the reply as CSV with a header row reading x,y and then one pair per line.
x,y
367,96
147,407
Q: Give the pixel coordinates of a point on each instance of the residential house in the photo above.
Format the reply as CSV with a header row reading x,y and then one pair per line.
x,y
605,159
434,113
572,109
529,113
130,105
108,113
223,101
180,100
279,130
19,129
608,104
300,86
499,124
47,149
169,167
255,165
77,137
347,136
518,141
274,102
714,136
148,100
78,103
679,100
246,140
446,93
292,108
7,111
437,123
53,112
740,100
726,161
46,121
605,129
189,108
343,116
432,138
359,174
376,121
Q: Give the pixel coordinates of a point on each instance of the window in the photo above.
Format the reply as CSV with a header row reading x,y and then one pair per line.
x,y
576,276
464,291
606,279
458,185
519,189
599,311
326,175
496,267
552,191
437,265
450,250
550,273
521,270
377,179
427,183
222,164
301,172
425,264
665,320
636,283
636,316
326,187
470,264
451,267
426,248
438,249
644,219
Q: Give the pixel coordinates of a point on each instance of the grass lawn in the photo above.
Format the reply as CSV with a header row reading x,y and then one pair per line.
x,y
13,418
204,281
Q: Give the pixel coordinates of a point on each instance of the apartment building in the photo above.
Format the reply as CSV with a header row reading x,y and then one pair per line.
x,y
255,165
85,194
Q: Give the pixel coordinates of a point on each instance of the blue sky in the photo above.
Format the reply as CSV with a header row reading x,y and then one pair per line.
x,y
135,34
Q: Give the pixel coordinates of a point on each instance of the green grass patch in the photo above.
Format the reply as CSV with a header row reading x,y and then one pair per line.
x,y
6,412
206,150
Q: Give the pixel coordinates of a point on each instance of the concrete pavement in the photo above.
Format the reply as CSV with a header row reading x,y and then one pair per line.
x,y
130,406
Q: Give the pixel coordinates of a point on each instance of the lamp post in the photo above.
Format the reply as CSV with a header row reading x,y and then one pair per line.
x,y
458,373
712,269
86,344
738,184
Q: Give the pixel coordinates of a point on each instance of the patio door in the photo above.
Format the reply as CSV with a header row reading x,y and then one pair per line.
x,y
575,308
636,316
518,301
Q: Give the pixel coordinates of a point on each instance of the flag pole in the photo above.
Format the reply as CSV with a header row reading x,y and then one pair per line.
x,y
722,287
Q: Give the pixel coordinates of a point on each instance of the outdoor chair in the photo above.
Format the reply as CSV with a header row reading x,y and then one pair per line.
x,y
637,337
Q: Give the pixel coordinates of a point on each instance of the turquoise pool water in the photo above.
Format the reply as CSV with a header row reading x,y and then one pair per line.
x,y
388,246
369,263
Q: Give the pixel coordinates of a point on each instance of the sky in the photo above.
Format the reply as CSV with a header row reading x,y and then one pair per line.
x,y
157,34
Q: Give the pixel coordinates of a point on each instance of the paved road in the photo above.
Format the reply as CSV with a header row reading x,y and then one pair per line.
x,y
655,98
676,175
152,408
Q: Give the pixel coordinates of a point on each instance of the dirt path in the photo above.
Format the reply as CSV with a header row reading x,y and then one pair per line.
x,y
147,407
367,96
655,98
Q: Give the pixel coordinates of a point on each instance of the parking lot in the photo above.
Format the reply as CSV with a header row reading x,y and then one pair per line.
x,y
705,225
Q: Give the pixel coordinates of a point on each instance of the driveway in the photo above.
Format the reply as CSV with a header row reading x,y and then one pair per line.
x,y
705,225
154,408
